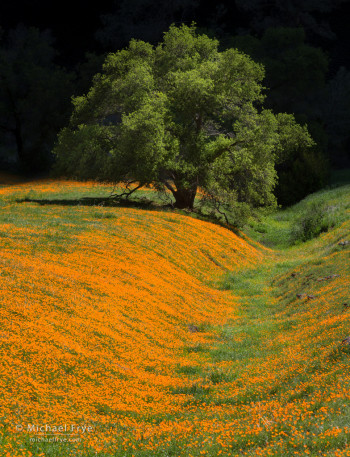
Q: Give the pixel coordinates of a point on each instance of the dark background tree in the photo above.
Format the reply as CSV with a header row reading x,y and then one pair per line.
x,y
34,96
296,83
311,15
132,19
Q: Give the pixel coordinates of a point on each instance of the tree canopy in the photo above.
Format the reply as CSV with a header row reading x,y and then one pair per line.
x,y
180,116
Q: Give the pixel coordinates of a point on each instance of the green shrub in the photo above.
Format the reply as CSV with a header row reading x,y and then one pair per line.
x,y
315,220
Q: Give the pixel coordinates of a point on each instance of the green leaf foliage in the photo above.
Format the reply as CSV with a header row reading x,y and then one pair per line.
x,y
181,116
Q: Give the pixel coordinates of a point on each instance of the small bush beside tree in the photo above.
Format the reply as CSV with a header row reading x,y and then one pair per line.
x,y
315,220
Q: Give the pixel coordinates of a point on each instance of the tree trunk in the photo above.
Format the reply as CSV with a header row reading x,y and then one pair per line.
x,y
184,198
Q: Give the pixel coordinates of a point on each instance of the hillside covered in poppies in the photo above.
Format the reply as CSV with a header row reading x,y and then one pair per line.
x,y
166,334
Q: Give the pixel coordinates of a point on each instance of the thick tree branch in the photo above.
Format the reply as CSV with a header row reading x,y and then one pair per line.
x,y
169,186
128,191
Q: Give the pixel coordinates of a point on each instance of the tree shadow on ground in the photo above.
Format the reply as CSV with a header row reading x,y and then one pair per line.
x,y
102,202
143,203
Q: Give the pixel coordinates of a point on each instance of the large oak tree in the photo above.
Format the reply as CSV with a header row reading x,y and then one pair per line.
x,y
180,116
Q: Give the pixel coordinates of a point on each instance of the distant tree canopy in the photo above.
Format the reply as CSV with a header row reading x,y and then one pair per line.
x,y
336,112
142,19
296,82
34,97
295,71
291,13
180,116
